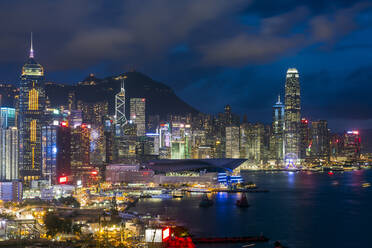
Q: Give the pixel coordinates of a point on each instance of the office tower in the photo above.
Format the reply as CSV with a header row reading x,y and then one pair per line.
x,y
80,149
352,144
8,117
320,140
305,139
276,139
120,117
56,151
255,142
180,141
232,142
138,114
336,146
9,153
31,113
93,112
97,146
292,118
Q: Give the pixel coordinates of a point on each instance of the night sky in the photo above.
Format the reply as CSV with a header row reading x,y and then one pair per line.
x,y
211,52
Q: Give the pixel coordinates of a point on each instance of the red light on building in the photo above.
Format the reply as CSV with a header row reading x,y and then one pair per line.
x,y
63,180
64,124
166,234
94,173
143,99
304,121
83,125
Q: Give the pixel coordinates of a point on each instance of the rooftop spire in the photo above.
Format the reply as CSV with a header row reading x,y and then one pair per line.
x,y
279,98
31,49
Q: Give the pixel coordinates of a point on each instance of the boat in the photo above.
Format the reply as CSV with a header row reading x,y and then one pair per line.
x,y
242,202
162,196
206,202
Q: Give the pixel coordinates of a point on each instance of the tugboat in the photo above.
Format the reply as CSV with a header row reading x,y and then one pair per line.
x,y
205,202
242,202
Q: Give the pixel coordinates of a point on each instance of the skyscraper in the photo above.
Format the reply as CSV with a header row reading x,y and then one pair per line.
x,y
138,114
120,105
320,140
232,142
276,141
8,153
292,118
31,113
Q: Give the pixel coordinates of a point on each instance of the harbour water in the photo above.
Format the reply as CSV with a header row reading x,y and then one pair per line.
x,y
302,209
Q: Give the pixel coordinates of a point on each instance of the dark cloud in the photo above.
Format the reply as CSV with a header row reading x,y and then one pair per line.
x,y
218,47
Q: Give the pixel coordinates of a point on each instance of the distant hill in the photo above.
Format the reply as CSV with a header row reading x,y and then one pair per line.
x,y
160,99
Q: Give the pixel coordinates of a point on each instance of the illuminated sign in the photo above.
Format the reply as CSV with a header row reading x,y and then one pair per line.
x,y
62,180
94,173
166,234
64,124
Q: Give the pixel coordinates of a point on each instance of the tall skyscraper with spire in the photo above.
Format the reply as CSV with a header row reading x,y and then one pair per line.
x,y
277,145
120,105
31,117
292,118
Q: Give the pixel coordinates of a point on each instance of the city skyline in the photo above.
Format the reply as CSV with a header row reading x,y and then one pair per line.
x,y
179,63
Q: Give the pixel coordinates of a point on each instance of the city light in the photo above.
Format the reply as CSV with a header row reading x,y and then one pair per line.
x,y
63,180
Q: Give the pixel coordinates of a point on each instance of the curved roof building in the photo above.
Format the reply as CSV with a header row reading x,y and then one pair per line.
x,y
179,165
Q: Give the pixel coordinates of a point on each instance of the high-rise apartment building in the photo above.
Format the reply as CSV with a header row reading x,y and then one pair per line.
x,y
31,113
292,118
138,114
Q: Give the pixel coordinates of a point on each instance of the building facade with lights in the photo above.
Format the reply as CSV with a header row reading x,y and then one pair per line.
x,y
292,118
138,114
31,118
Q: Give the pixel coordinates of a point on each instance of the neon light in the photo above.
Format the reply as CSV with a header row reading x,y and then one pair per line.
x,y
166,233
62,180
64,124
94,173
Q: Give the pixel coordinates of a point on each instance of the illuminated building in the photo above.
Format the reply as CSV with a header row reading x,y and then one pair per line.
x,y
11,191
71,101
138,114
9,153
56,145
93,113
292,118
8,117
180,142
97,146
276,139
80,149
305,139
232,142
120,117
320,140
75,118
352,145
31,113
255,139
336,146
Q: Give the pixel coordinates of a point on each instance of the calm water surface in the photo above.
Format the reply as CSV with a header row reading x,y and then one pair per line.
x,y
302,209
